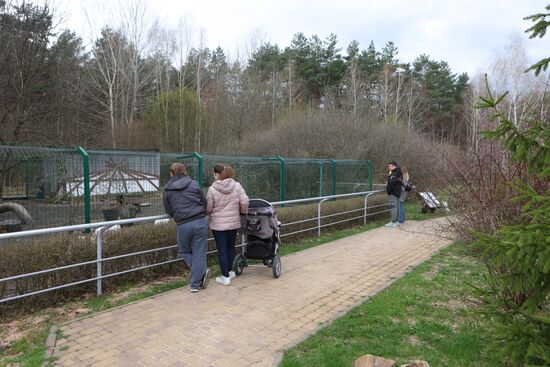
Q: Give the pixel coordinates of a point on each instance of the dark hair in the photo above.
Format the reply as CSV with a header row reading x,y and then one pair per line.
x,y
394,163
224,171
178,169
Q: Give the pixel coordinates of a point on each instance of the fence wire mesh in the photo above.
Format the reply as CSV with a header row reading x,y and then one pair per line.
x,y
36,180
51,184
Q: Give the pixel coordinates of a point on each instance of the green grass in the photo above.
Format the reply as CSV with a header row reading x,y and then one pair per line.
x,y
429,314
28,351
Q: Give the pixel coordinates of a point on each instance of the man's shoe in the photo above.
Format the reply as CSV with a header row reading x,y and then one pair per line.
x,y
223,280
205,278
390,224
194,290
232,275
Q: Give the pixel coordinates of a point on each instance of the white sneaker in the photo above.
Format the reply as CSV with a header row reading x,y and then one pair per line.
x,y
232,275
390,224
223,280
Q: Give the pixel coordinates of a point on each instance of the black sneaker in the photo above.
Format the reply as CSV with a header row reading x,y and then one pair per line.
x,y
205,278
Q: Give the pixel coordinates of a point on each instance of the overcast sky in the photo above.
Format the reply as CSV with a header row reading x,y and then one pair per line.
x,y
465,33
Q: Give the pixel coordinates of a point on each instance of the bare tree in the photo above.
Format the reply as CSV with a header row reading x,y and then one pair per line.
x,y
137,25
105,73
386,91
183,41
507,73
24,33
198,120
163,51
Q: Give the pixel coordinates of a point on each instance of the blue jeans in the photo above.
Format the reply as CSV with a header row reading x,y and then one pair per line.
x,y
401,211
225,242
394,206
192,246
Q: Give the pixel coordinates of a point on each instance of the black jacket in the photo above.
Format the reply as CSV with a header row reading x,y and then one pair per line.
x,y
395,180
183,199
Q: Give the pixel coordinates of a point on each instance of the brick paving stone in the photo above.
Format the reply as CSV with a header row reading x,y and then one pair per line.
x,y
249,322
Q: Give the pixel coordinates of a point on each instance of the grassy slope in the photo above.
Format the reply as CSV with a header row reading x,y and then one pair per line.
x,y
429,314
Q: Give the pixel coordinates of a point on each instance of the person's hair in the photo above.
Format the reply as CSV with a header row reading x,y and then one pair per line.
x,y
224,171
178,169
393,163
404,170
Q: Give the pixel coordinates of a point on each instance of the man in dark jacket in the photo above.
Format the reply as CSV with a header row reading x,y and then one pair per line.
x,y
393,189
184,201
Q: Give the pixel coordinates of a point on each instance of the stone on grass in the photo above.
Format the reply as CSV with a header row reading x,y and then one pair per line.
x,y
369,360
416,364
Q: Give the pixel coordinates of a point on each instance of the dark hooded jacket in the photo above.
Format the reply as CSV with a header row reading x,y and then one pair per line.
x,y
395,180
183,199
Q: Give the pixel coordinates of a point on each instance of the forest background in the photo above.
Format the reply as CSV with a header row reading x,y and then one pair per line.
x,y
144,85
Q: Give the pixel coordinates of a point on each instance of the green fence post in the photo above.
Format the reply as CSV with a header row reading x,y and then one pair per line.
x,y
87,198
370,175
321,178
333,175
26,179
245,176
200,176
282,178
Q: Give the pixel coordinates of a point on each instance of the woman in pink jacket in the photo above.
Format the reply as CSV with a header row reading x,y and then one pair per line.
x,y
225,201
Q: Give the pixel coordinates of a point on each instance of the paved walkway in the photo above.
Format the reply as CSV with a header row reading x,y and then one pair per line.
x,y
250,322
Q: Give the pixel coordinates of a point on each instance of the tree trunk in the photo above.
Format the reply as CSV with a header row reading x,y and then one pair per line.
x,y
112,117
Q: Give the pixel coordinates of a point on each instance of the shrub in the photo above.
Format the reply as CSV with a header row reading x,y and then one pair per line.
x,y
35,254
479,187
518,255
332,134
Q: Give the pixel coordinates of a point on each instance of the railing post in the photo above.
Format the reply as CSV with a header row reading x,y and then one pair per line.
x,y
99,234
86,179
366,206
333,175
319,217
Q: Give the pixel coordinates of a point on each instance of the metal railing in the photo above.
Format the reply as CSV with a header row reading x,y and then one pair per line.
x,y
101,227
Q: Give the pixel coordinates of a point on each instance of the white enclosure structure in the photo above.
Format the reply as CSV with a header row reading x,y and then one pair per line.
x,y
114,181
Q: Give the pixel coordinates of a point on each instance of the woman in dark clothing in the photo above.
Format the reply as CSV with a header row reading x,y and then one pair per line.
x,y
393,189
184,201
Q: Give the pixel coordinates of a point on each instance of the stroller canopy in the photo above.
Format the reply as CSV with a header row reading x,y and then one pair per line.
x,y
260,220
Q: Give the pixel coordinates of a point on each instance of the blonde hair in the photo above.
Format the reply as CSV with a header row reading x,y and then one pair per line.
x,y
405,173
178,169
224,171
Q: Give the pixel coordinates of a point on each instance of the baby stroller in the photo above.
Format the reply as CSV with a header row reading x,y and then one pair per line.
x,y
262,231
428,202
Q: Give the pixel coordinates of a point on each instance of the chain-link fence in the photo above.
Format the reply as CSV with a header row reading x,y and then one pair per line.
x,y
70,186
35,183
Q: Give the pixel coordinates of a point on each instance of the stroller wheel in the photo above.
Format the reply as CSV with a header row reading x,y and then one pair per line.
x,y
239,264
276,267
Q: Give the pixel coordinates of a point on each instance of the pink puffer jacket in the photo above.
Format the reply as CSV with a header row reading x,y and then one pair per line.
x,y
225,201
